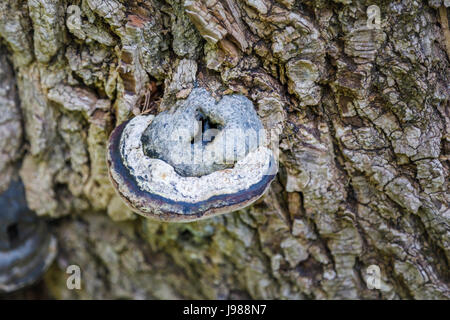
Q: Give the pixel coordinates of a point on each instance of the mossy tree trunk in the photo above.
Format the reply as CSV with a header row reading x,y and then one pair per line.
x,y
361,113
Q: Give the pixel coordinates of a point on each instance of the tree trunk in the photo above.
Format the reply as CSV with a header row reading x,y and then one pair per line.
x,y
360,107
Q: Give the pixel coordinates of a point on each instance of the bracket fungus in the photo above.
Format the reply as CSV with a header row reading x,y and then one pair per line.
x,y
26,247
199,159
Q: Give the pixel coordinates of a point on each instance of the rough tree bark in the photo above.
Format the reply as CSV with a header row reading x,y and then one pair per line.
x,y
363,122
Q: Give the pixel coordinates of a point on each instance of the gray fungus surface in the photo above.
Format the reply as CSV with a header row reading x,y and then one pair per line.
x,y
201,135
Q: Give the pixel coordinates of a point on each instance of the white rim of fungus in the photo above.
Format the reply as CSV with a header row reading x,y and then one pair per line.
x,y
158,177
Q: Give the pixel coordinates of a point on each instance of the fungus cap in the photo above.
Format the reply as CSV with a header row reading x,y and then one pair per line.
x,y
155,189
27,248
